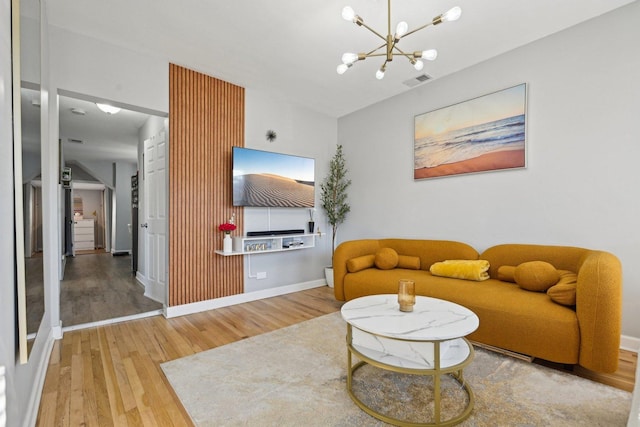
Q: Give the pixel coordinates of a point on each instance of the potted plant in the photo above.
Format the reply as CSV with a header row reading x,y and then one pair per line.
x,y
333,197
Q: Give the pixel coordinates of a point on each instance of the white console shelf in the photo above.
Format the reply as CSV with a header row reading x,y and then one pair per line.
x,y
244,245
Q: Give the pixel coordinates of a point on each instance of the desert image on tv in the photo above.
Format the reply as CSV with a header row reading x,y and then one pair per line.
x,y
267,179
272,191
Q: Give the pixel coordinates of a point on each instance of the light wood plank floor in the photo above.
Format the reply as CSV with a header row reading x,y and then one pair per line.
x,y
110,375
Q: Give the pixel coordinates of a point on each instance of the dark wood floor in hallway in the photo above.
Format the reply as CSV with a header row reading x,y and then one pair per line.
x,y
100,286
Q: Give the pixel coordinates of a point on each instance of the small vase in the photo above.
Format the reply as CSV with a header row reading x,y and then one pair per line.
x,y
227,244
406,294
312,226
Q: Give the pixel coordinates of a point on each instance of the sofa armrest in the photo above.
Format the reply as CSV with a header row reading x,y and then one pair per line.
x,y
599,310
343,253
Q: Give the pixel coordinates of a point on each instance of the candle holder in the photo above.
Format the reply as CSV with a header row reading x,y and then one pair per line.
x,y
406,294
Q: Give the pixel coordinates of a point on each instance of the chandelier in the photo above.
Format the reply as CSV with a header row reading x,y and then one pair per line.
x,y
390,44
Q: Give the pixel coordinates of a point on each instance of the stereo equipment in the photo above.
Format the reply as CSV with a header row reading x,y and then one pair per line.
x,y
274,232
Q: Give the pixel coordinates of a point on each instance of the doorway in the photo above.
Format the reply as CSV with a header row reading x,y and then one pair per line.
x,y
102,152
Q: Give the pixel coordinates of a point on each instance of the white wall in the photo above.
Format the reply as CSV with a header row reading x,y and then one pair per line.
x,y
85,65
580,187
121,241
300,132
89,66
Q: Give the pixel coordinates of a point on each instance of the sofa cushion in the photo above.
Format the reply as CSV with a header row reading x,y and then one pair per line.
x,y
409,262
386,258
462,269
564,292
507,273
360,263
537,276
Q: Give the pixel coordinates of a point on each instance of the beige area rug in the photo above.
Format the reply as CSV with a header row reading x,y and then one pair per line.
x,y
296,376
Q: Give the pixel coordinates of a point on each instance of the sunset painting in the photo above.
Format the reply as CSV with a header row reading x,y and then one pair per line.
x,y
482,134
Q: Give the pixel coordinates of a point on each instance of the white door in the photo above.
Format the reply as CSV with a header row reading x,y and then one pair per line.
x,y
73,222
154,226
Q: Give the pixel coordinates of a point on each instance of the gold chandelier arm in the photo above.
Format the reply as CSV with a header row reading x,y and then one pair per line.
x,y
373,31
401,52
420,28
389,20
372,52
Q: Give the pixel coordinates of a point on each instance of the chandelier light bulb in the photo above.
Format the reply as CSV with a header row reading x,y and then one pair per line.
x,y
418,65
348,14
380,74
430,54
342,68
349,58
452,14
401,29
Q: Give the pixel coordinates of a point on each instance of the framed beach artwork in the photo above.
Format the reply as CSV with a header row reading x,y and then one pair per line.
x,y
482,134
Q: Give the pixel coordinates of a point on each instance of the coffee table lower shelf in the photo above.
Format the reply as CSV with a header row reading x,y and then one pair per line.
x,y
453,367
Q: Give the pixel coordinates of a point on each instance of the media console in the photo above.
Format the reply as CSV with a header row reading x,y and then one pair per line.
x,y
251,244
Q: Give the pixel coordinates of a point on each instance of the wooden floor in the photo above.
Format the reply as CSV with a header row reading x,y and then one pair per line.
x,y
99,286
110,375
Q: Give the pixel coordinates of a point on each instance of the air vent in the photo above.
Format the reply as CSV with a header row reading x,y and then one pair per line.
x,y
75,141
417,80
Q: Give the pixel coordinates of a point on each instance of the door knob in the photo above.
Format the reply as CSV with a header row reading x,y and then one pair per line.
x,y
145,225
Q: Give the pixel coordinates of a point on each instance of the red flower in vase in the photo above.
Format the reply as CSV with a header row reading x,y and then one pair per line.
x,y
227,227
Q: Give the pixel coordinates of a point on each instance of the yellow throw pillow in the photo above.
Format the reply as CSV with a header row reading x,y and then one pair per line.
x,y
360,263
386,258
409,262
564,292
537,276
462,269
507,273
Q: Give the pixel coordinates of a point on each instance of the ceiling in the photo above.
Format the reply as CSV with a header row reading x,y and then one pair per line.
x,y
97,135
291,48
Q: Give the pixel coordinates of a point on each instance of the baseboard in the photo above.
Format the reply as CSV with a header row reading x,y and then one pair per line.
x,y
56,332
141,278
113,321
31,412
116,252
499,350
630,343
196,307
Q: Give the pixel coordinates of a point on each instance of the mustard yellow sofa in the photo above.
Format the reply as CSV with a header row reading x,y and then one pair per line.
x,y
511,318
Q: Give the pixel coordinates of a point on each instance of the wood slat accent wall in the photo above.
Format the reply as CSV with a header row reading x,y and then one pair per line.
x,y
206,118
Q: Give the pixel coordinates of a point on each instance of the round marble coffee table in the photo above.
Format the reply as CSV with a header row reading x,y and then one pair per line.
x,y
426,341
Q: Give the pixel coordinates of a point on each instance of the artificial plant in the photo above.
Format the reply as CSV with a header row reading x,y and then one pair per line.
x,y
334,194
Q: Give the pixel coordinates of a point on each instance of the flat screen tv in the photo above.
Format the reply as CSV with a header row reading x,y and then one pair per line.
x,y
266,179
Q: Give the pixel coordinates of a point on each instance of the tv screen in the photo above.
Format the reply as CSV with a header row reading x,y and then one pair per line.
x,y
266,179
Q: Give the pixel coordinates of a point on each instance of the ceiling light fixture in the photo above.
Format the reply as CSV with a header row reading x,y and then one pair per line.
x,y
109,109
390,45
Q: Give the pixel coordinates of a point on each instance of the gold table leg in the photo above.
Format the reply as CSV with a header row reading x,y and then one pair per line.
x,y
455,372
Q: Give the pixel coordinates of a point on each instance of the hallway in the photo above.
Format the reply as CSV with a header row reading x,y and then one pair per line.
x,y
101,286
